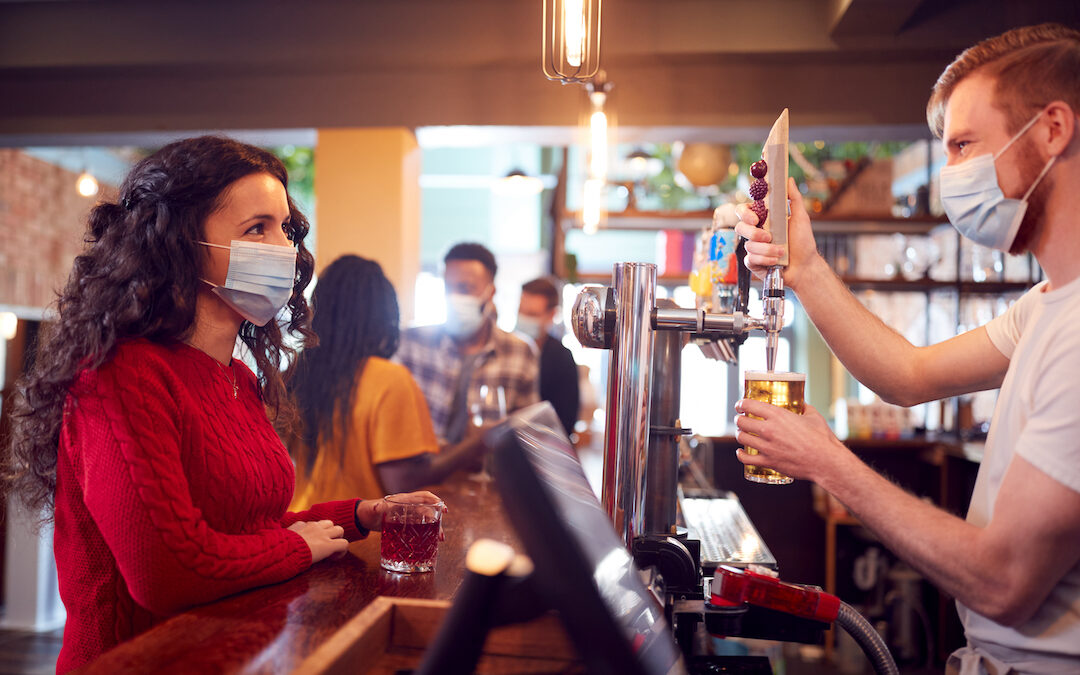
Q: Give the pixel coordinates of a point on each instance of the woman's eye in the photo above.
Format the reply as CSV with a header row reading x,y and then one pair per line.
x,y
255,229
960,145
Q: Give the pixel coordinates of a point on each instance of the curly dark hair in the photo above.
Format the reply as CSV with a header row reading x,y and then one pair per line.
x,y
138,277
356,317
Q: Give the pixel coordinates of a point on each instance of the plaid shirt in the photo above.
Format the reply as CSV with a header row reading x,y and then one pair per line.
x,y
435,362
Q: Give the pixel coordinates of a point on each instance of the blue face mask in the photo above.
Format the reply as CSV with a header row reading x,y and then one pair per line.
x,y
259,281
973,200
527,325
465,315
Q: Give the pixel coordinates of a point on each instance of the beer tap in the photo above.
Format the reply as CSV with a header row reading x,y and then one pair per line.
x,y
773,290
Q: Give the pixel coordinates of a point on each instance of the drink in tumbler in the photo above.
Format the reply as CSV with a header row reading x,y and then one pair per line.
x,y
786,390
410,535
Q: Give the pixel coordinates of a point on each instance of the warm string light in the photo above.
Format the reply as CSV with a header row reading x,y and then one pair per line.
x,y
591,206
86,185
592,209
9,325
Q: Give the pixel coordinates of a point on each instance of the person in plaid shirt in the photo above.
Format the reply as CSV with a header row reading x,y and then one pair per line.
x,y
471,372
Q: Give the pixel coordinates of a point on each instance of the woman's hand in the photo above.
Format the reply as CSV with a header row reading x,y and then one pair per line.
x,y
800,446
369,511
761,254
323,537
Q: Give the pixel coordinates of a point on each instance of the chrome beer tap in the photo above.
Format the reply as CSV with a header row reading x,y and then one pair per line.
x,y
624,318
773,292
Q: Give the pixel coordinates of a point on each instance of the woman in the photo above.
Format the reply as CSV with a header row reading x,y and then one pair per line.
x,y
136,427
366,427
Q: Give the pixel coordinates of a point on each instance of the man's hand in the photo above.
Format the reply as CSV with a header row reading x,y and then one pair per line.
x,y
323,537
802,250
800,446
369,511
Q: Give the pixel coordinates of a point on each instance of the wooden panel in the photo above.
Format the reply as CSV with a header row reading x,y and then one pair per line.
x,y
391,634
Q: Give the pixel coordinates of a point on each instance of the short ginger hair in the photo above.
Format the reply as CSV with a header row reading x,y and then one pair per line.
x,y
1031,66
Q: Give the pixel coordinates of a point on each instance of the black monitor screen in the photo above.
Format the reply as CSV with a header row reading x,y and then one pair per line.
x,y
583,569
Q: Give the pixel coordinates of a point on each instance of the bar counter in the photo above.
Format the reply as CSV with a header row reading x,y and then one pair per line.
x,y
273,628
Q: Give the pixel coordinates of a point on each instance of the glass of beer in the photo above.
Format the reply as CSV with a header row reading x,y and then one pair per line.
x,y
786,390
410,535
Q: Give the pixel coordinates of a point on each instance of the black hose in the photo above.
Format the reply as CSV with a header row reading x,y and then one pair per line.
x,y
872,644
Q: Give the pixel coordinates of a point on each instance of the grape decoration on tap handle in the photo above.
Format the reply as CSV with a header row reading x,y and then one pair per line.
x,y
759,187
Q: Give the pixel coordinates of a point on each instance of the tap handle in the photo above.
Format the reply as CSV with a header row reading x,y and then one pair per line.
x,y
742,298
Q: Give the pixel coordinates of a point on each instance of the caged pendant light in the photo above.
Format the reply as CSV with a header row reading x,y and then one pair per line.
x,y
571,48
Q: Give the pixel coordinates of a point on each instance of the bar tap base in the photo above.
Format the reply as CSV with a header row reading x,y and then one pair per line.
x,y
675,558
751,621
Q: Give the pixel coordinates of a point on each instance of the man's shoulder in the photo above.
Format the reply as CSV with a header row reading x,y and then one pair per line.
x,y
508,342
422,336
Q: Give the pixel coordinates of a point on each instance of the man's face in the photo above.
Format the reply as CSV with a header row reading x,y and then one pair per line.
x,y
536,307
469,277
974,126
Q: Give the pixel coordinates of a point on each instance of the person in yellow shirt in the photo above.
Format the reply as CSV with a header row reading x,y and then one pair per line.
x,y
365,427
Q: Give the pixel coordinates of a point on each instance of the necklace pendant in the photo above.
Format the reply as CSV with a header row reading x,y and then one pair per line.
x,y
235,391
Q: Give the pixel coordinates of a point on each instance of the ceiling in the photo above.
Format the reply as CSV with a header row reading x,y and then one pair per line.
x,y
93,66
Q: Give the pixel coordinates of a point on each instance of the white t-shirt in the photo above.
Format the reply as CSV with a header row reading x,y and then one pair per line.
x,y
1038,417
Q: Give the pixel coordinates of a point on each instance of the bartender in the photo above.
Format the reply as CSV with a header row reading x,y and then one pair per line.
x,y
1006,111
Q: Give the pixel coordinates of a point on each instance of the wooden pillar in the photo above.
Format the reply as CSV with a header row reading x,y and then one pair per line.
x,y
367,192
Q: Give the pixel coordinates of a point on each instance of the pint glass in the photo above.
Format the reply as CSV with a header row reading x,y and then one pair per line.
x,y
786,390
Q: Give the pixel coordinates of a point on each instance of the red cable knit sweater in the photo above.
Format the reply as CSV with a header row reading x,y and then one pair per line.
x,y
169,493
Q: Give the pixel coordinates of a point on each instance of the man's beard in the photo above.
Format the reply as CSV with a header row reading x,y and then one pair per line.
x,y
1035,217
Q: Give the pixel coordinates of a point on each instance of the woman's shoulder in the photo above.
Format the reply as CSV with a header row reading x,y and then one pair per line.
x,y
133,365
136,354
378,369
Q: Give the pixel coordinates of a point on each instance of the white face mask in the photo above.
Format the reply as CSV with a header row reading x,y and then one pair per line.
x,y
464,315
973,200
259,281
527,325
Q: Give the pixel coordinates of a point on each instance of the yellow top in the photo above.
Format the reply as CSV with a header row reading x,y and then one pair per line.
x,y
390,421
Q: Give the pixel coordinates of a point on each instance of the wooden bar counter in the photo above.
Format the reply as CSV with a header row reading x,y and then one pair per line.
x,y
272,629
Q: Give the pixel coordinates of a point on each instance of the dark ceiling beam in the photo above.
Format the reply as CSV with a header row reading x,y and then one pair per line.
x,y
857,18
70,66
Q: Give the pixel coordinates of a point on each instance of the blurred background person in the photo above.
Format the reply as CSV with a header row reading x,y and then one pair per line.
x,y
558,372
365,428
471,372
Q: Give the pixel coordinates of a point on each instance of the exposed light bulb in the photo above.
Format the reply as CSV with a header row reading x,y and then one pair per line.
x,y
86,185
574,31
598,142
591,205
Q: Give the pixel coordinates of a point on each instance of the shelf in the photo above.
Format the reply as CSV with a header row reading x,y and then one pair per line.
x,y
821,223
968,287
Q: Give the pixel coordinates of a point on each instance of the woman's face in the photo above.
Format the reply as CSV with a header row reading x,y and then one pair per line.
x,y
254,208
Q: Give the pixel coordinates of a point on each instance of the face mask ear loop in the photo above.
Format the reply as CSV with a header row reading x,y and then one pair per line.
x,y
1039,178
206,243
1020,133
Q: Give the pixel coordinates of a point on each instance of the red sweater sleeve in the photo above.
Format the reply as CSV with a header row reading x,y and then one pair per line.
x,y
343,513
124,435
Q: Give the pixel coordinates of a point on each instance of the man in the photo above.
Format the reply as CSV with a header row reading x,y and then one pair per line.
x,y
470,371
1006,111
558,371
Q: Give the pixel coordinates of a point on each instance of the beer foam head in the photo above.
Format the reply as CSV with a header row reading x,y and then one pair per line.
x,y
774,377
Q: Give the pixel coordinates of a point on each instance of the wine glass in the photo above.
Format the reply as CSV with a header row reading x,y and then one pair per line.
x,y
487,406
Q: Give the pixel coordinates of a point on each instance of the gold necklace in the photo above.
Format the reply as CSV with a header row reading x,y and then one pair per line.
x,y
231,376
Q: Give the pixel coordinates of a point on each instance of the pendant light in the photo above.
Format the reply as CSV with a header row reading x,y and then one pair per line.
x,y
571,47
